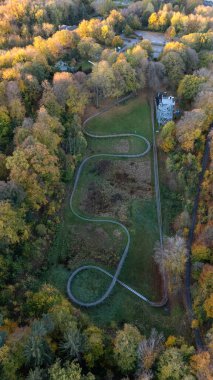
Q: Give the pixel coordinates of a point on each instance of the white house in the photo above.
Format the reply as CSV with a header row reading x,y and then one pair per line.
x,y
164,108
208,3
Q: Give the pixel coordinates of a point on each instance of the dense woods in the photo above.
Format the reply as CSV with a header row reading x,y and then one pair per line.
x,y
42,107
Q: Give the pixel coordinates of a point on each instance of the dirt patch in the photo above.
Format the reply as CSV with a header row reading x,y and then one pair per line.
x,y
133,177
102,167
122,146
94,244
97,200
121,181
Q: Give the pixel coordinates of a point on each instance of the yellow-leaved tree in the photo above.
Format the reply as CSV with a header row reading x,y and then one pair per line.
x,y
36,170
13,228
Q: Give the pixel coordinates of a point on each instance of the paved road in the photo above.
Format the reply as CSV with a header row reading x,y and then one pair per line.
x,y
111,221
157,40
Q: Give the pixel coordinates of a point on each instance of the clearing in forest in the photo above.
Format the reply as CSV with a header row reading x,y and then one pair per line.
x,y
121,189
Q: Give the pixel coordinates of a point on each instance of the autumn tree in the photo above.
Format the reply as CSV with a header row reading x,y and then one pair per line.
x,y
17,111
174,66
146,45
199,41
10,191
116,20
89,49
153,21
61,83
167,139
5,127
97,29
3,170
174,364
136,55
170,33
94,345
42,301
83,29
204,98
13,228
182,164
36,170
172,259
200,252
203,299
177,47
77,100
189,87
60,43
159,20
49,100
137,58
117,42
47,130
103,6
190,128
70,371
12,355
30,91
76,142
208,306
149,349
201,365
125,348
102,80
155,75
125,78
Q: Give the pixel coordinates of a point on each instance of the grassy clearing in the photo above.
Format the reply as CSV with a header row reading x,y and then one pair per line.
x,y
132,116
139,270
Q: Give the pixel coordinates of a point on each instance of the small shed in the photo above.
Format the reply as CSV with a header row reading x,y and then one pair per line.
x,y
165,105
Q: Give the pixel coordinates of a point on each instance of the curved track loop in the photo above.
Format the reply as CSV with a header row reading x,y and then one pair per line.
x,y
111,221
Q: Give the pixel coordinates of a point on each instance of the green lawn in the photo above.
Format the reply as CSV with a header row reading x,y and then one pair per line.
x,y
139,270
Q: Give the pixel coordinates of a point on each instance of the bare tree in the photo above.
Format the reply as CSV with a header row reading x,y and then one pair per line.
x,y
172,257
148,351
155,75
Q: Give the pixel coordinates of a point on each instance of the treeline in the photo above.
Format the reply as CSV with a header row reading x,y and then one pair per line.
x,y
60,343
20,21
184,143
170,20
28,19
174,18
